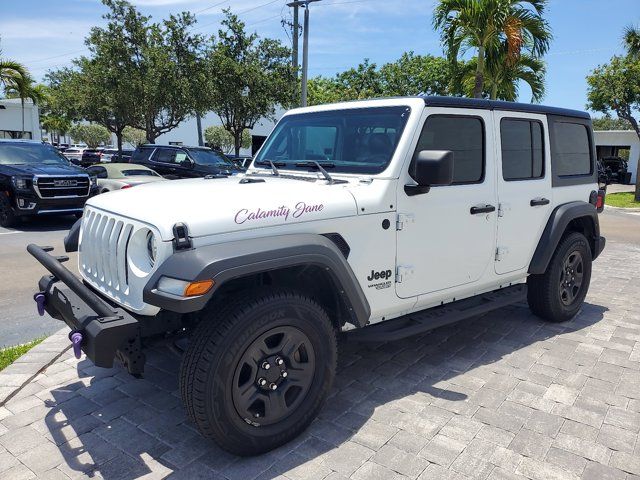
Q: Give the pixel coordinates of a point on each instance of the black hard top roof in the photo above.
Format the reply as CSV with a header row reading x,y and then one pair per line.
x,y
461,102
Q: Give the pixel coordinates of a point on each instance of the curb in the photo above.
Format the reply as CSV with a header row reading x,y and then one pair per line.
x,y
21,372
622,209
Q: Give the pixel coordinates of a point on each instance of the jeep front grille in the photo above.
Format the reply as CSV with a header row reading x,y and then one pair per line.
x,y
103,253
61,187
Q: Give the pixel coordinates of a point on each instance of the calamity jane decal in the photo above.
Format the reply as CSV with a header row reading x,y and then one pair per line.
x,y
284,212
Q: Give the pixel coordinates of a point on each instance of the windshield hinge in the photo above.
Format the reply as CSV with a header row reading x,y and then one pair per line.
x,y
402,219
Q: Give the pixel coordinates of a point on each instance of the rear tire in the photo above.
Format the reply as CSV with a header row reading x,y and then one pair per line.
x,y
232,398
557,295
7,216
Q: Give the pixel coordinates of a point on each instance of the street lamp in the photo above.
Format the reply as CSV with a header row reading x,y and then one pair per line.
x,y
305,45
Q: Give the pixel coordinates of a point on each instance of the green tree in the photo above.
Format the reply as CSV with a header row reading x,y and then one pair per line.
x,y
487,25
246,78
134,136
415,74
615,87
502,78
411,74
91,134
10,72
55,125
219,138
631,38
25,88
610,123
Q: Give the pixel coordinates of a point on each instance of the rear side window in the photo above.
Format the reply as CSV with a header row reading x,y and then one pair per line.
x,y
573,150
522,149
165,155
142,154
464,136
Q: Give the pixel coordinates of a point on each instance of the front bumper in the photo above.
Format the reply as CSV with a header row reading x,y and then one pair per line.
x,y
27,203
107,332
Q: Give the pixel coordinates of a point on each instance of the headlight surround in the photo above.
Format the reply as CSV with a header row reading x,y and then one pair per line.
x,y
152,247
20,183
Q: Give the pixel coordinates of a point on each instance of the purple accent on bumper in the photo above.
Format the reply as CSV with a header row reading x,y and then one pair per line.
x,y
40,300
76,340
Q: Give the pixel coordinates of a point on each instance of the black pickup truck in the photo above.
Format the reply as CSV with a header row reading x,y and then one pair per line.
x,y
35,179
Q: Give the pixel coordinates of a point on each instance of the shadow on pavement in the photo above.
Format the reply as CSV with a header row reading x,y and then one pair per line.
x,y
45,223
110,425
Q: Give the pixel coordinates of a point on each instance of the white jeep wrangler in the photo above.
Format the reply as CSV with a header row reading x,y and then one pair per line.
x,y
381,218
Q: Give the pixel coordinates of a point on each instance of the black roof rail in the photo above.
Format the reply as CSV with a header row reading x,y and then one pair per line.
x,y
462,102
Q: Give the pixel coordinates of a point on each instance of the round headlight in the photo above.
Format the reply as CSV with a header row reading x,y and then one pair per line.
x,y
152,247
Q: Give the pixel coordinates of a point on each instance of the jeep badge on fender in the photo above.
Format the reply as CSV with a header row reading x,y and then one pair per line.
x,y
272,264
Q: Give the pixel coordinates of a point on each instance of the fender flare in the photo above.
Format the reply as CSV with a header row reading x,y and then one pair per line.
x,y
227,261
555,228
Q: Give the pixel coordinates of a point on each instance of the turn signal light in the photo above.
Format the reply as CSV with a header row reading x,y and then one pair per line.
x,y
198,288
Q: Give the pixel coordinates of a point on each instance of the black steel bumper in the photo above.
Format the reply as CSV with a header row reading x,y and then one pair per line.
x,y
107,332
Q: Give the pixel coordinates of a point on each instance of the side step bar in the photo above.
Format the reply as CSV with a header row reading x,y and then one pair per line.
x,y
435,317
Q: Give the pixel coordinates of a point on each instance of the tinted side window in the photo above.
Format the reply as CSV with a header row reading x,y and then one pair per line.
x,y
99,172
573,151
142,154
464,136
522,149
165,155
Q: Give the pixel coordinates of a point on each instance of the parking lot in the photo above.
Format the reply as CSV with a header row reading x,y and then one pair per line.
x,y
504,396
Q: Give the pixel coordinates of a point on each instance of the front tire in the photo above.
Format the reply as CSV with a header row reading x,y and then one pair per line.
x,y
258,371
7,216
557,295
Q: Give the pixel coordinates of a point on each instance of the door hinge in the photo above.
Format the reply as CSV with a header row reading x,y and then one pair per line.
x,y
402,219
502,209
403,272
501,252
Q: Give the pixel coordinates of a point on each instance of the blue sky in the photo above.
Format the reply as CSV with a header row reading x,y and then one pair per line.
x,y
46,34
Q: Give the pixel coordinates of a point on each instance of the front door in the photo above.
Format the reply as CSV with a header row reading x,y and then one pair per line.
x,y
447,236
524,188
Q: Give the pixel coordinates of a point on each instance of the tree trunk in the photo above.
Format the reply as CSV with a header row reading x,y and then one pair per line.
x,y
119,140
22,103
237,140
199,127
494,91
479,85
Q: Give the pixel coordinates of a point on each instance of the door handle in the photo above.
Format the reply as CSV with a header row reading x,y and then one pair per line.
x,y
537,202
485,209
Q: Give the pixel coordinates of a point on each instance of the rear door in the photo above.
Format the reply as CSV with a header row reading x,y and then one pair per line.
x,y
524,187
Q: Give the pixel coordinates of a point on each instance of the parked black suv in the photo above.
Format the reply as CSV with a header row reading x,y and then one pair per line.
x,y
184,162
36,179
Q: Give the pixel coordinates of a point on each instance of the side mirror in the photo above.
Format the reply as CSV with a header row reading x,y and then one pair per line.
x,y
430,168
187,163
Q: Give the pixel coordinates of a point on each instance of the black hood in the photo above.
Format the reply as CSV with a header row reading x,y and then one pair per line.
x,y
58,169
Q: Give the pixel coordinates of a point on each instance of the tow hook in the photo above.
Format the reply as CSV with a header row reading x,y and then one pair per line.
x,y
40,300
76,341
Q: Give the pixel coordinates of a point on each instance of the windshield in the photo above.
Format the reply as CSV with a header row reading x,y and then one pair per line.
x,y
359,140
30,154
209,157
139,173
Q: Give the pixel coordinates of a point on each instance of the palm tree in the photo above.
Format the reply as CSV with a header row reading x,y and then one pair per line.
x,y
24,88
631,38
487,26
502,78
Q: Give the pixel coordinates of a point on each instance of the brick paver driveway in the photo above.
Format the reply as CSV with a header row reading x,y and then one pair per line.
x,y
503,396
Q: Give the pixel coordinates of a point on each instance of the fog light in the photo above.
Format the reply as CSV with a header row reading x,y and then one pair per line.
x,y
26,204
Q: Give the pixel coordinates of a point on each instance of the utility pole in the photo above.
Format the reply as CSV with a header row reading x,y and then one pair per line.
x,y
199,127
296,28
305,45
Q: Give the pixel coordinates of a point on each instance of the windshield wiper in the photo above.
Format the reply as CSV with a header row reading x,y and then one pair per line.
x,y
314,164
273,165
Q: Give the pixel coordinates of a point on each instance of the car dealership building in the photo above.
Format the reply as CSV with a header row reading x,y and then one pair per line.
x,y
11,119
